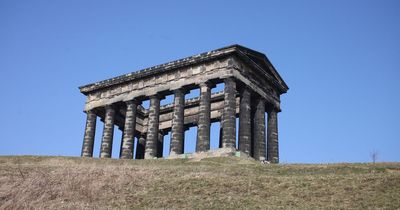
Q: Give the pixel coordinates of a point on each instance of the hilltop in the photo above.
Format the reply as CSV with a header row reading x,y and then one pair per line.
x,y
229,182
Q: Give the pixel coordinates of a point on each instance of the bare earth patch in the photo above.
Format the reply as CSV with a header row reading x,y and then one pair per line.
x,y
211,183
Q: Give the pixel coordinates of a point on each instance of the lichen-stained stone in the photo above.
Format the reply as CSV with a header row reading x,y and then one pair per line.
x,y
129,130
90,129
229,114
177,130
108,132
152,128
272,139
204,123
245,121
259,130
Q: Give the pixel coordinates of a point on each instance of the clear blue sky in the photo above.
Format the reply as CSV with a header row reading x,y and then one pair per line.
x,y
341,60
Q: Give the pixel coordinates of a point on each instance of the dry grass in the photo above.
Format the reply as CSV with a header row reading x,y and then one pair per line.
x,y
214,183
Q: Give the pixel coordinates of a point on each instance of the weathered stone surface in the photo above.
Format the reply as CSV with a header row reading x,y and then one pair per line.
x,y
224,62
245,121
177,131
259,130
129,130
220,152
88,139
272,139
108,133
204,123
229,115
152,129
153,85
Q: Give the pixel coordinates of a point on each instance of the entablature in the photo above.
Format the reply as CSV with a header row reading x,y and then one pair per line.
x,y
247,66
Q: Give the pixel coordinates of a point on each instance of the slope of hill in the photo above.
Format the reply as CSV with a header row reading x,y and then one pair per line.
x,y
77,183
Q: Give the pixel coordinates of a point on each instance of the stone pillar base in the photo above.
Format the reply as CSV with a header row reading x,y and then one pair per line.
x,y
221,152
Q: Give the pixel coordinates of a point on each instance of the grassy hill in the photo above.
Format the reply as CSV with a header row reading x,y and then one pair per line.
x,y
70,183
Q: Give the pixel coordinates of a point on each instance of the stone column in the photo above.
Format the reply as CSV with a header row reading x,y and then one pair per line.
x,y
160,144
141,144
259,130
203,124
108,133
129,130
245,121
229,114
177,130
122,140
183,142
152,128
221,133
272,138
90,130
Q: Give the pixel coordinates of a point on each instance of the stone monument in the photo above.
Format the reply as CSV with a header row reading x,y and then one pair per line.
x,y
252,87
